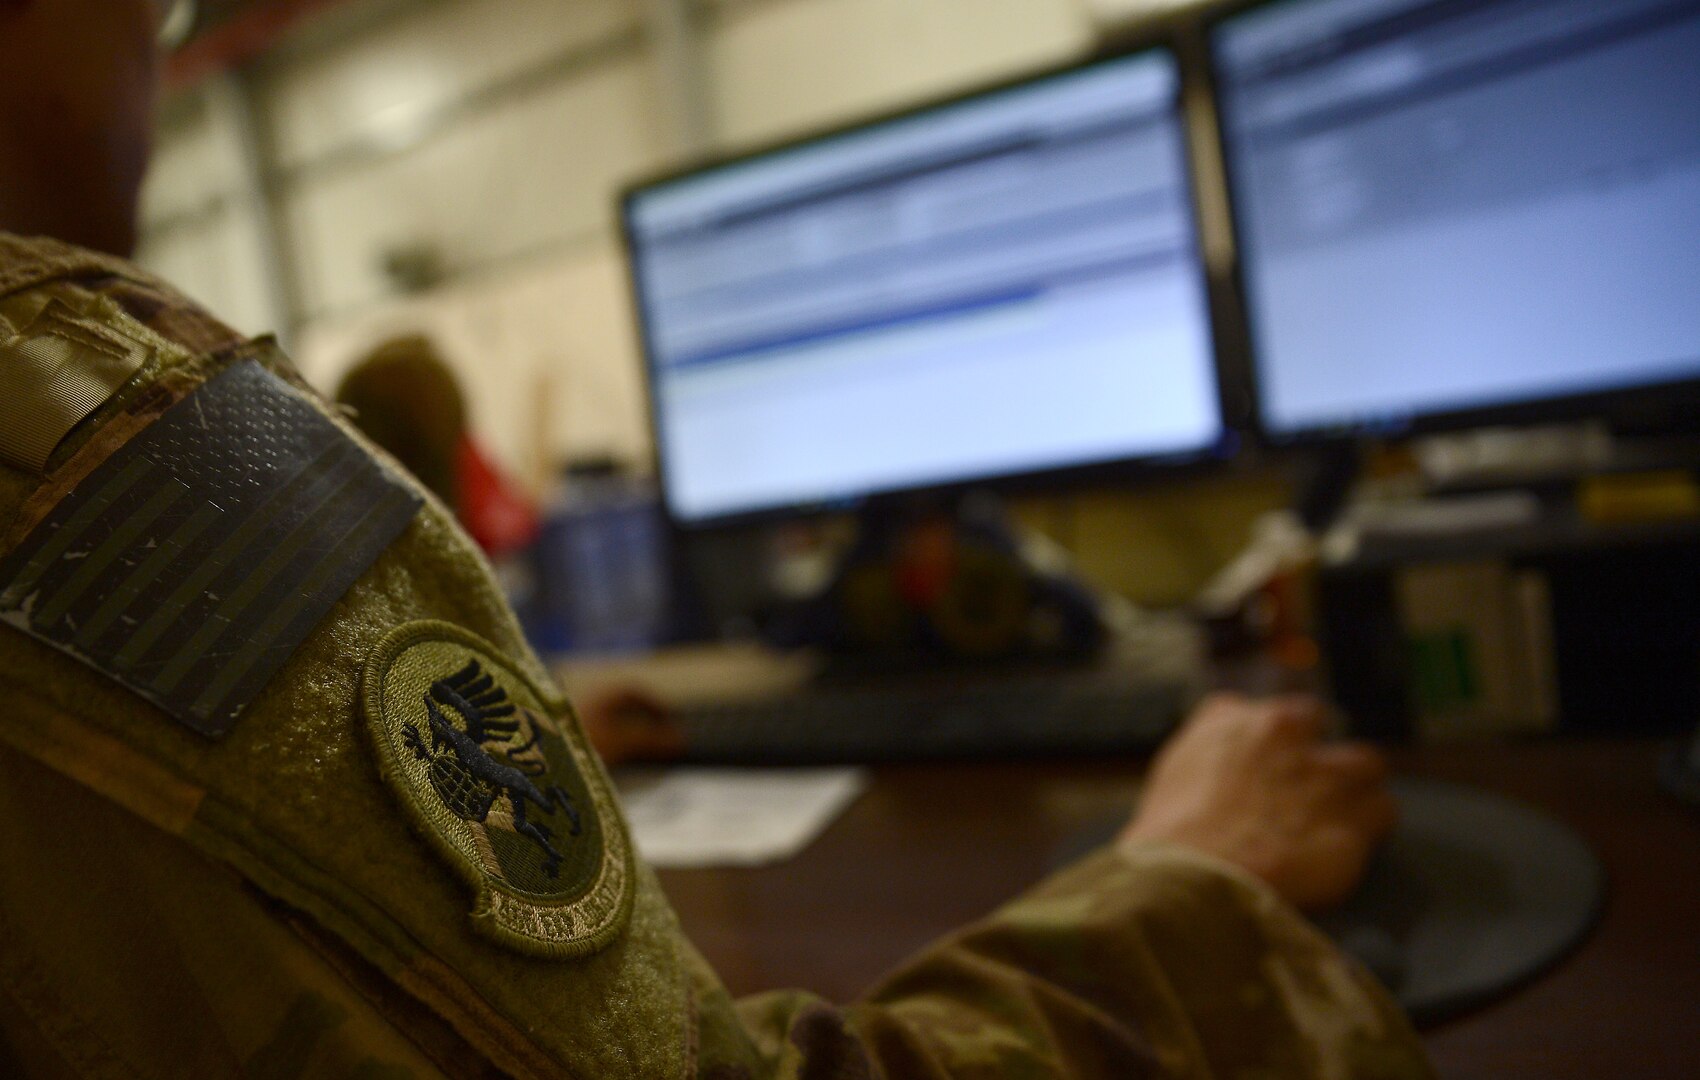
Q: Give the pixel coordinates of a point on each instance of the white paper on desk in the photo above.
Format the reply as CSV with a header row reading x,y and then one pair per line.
x,y
690,817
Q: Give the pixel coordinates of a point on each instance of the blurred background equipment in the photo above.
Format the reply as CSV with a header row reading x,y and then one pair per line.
x,y
1386,306
849,320
603,565
1428,238
860,313
323,159
1550,626
921,589
1429,242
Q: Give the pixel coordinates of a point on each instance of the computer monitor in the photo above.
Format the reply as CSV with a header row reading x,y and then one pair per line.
x,y
1003,285
1451,211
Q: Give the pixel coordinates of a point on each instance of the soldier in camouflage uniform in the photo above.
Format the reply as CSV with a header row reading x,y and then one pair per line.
x,y
287,795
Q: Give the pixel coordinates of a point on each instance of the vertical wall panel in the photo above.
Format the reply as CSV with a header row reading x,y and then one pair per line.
x,y
191,163
790,66
196,229
537,172
215,261
381,81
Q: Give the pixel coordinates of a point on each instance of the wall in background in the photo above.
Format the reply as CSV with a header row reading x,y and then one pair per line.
x,y
783,66
199,225
483,130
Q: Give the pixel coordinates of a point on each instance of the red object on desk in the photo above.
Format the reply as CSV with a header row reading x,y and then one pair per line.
x,y
498,516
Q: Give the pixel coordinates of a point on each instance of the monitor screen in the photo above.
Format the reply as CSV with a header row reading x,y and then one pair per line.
x,y
1447,207
1005,285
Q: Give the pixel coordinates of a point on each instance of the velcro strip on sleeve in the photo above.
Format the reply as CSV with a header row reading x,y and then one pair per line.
x,y
54,372
191,563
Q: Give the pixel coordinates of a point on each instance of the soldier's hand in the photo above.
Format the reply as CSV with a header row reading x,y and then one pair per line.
x,y
1253,783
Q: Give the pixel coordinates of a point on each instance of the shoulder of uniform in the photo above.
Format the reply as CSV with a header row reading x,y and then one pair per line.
x,y
27,259
306,672
36,265
77,330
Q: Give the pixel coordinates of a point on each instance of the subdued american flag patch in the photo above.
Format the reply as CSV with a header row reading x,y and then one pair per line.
x,y
193,562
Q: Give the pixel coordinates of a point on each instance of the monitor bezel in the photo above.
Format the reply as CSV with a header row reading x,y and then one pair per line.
x,y
1673,401
1103,473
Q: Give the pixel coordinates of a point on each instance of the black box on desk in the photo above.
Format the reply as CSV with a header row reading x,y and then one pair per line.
x,y
1560,625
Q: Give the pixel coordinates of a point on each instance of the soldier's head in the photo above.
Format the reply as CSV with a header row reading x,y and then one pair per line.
x,y
76,105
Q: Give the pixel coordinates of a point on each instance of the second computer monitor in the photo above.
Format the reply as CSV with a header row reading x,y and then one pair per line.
x,y
1003,285
1450,210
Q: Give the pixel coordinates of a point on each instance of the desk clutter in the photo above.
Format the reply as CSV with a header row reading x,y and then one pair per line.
x,y
1558,624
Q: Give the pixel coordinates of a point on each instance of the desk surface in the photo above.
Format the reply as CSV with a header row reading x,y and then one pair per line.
x,y
931,847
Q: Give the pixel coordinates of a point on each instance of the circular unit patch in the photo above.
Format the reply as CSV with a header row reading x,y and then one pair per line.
x,y
504,790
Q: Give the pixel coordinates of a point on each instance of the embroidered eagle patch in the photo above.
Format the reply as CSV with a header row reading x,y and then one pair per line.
x,y
501,787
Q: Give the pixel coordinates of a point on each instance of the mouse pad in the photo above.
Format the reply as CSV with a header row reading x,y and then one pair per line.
x,y
1472,895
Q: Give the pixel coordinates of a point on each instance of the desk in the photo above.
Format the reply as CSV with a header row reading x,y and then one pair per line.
x,y
931,847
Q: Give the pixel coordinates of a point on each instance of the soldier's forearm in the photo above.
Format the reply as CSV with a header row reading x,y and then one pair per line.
x,y
1147,961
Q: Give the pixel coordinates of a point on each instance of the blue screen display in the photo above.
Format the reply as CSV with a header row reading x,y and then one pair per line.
x,y
1447,206
1007,284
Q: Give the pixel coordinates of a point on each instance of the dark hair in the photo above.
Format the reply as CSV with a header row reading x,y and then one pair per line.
x,y
406,399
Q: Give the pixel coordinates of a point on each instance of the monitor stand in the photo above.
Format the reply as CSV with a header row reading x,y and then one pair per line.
x,y
1470,897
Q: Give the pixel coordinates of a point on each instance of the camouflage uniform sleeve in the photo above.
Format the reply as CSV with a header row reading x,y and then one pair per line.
x,y
126,955
281,901
1154,961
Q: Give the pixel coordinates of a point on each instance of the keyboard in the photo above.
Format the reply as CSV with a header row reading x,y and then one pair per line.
x,y
1048,714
